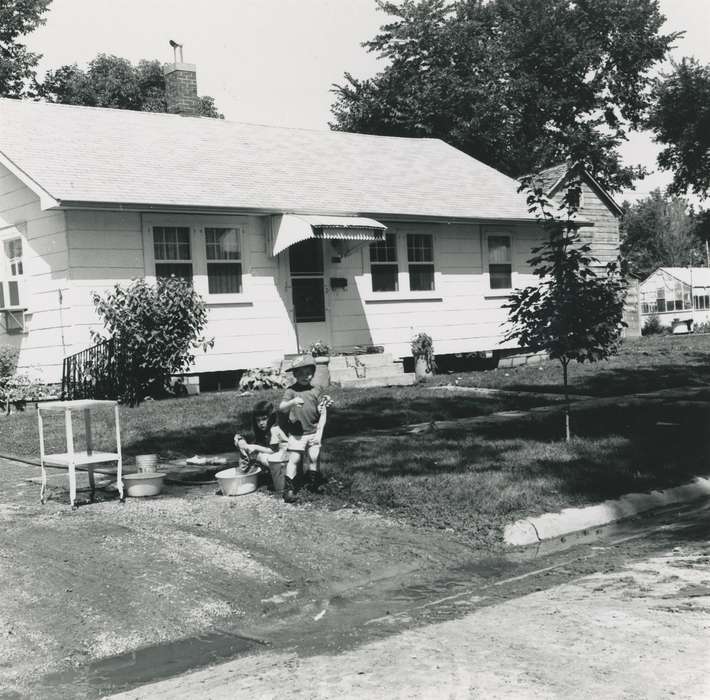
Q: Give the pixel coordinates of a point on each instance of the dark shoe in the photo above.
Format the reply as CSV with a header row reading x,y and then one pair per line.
x,y
289,492
313,481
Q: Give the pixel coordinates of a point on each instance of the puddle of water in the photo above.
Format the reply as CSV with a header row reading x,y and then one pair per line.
x,y
477,582
152,663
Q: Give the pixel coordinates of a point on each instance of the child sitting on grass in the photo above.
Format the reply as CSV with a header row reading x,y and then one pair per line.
x,y
269,439
306,406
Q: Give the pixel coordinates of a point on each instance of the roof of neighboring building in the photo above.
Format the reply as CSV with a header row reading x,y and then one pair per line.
x,y
700,275
550,177
91,156
553,177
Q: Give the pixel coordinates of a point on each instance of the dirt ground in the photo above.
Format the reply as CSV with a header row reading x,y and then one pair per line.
x,y
110,578
639,632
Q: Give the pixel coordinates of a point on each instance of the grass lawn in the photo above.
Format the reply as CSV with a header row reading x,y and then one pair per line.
x,y
206,424
643,364
477,481
472,480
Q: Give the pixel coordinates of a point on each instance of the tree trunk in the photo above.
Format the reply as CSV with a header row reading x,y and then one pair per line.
x,y
564,380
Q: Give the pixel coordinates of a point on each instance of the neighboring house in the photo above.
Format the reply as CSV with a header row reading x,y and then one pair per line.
x,y
598,207
666,293
290,235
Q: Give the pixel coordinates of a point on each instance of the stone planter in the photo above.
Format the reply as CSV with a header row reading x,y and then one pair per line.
x,y
322,375
422,371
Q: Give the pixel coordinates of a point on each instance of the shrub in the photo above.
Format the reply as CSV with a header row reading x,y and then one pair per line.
x,y
319,349
264,378
18,388
8,361
652,326
155,330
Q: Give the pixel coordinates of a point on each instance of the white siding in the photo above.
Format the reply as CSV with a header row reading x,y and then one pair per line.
x,y
105,248
45,278
101,249
462,314
108,248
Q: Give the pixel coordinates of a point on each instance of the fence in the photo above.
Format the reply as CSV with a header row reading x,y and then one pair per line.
x,y
91,373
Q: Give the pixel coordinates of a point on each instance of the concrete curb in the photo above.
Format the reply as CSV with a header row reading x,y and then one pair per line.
x,y
551,525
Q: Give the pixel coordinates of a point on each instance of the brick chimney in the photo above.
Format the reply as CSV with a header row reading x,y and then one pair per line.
x,y
181,89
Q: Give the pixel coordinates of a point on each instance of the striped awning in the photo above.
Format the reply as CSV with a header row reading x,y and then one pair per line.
x,y
288,229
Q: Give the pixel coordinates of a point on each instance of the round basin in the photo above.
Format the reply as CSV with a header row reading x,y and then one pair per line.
x,y
233,482
143,484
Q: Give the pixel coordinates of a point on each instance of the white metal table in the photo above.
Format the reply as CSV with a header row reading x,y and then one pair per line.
x,y
71,459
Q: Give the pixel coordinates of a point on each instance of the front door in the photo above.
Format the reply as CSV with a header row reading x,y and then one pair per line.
x,y
310,312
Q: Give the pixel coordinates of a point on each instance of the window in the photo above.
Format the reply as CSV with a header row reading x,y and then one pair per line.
x,y
383,264
173,257
224,260
420,255
500,262
14,272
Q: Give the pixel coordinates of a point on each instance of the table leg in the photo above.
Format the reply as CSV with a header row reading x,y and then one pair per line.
x,y
119,461
89,437
70,453
40,424
92,481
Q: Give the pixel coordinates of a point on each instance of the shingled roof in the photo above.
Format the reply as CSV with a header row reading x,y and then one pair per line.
x,y
552,178
84,156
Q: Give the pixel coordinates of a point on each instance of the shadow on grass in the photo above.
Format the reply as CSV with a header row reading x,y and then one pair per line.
x,y
387,412
620,381
481,479
600,380
352,416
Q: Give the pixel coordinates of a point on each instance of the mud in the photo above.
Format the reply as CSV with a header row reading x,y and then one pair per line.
x,y
106,580
612,620
112,595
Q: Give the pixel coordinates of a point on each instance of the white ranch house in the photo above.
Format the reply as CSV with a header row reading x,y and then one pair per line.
x,y
290,235
666,294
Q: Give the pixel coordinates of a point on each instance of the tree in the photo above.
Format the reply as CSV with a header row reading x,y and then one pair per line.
x,y
680,119
661,230
17,64
110,81
155,329
575,311
518,84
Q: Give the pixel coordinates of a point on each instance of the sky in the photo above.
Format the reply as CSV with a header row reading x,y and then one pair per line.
x,y
275,61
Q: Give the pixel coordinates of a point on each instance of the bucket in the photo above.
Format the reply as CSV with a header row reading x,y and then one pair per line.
x,y
233,483
146,463
143,484
277,467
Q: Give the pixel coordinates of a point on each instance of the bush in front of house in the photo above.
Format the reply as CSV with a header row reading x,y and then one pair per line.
x,y
17,388
262,379
8,365
156,329
8,361
652,326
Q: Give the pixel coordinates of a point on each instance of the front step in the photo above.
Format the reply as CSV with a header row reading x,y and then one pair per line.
x,y
341,375
370,370
394,380
374,360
